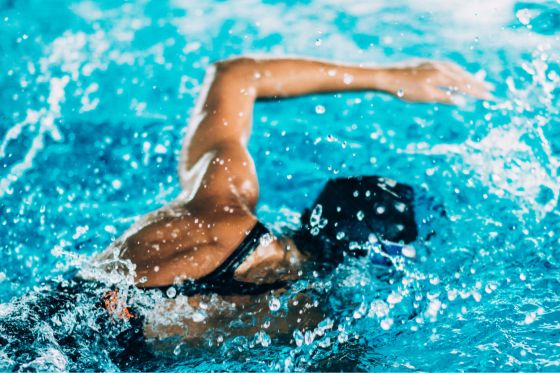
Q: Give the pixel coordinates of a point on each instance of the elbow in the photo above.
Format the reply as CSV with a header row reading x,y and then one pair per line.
x,y
239,74
238,66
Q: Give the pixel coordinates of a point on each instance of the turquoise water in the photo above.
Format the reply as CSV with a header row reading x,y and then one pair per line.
x,y
94,97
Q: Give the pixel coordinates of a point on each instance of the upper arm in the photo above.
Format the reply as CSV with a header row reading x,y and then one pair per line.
x,y
221,127
230,178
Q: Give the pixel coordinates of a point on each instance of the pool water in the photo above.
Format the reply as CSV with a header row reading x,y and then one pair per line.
x,y
94,97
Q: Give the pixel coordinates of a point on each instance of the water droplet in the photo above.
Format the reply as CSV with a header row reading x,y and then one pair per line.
x,y
354,246
274,304
530,318
433,308
266,239
198,316
400,92
394,298
409,251
316,215
298,338
263,339
372,238
177,349
523,16
171,292
400,206
160,149
117,184
378,308
348,79
386,323
476,295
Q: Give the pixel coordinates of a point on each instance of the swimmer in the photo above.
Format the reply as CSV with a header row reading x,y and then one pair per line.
x,y
208,248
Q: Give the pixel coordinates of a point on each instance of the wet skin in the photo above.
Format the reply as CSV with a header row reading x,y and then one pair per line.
x,y
197,232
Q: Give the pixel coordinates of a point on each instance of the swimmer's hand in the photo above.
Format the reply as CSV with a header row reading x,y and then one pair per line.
x,y
433,81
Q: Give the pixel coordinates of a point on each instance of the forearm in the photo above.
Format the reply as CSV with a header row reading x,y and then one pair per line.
x,y
226,104
271,78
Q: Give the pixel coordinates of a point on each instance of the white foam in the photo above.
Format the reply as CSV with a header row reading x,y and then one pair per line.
x,y
507,165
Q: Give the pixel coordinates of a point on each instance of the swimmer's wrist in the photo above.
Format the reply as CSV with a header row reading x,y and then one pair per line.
x,y
384,80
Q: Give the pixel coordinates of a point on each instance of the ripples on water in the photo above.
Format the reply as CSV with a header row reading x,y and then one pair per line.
x,y
93,98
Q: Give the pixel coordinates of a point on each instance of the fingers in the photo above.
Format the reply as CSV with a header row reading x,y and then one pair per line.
x,y
443,97
459,79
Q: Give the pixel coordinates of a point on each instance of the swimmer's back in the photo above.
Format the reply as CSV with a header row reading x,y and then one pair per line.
x,y
182,246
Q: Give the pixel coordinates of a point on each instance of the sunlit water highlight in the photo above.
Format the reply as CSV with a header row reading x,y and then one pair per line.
x,y
93,100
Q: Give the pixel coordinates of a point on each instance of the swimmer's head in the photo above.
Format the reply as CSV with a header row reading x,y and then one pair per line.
x,y
356,209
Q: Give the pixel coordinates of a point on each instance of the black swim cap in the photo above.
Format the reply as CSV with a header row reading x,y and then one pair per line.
x,y
353,209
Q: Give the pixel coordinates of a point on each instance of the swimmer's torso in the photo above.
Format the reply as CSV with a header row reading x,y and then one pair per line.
x,y
187,243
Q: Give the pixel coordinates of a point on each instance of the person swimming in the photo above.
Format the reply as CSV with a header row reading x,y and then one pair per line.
x,y
210,241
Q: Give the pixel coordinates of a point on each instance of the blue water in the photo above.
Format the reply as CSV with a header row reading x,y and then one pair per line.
x,y
94,97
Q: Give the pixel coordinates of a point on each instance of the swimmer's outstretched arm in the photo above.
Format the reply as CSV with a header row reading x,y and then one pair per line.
x,y
222,120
